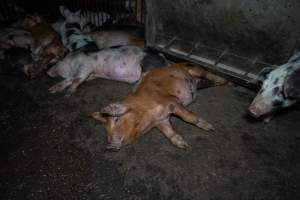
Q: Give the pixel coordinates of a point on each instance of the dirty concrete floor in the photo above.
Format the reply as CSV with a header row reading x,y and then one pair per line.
x,y
51,149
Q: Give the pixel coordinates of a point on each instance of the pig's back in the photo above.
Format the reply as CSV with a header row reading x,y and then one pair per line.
x,y
169,81
121,63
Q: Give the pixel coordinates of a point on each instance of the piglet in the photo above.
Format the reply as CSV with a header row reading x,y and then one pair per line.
x,y
280,88
161,93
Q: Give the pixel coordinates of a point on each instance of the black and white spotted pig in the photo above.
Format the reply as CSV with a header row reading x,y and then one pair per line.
x,y
280,89
124,63
71,31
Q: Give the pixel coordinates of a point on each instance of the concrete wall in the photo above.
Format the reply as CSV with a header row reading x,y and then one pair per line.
x,y
263,29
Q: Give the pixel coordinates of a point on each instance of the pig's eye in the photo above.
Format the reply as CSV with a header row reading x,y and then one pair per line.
x,y
116,119
275,91
281,94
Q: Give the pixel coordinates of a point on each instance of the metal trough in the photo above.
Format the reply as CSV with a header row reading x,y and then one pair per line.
x,y
235,37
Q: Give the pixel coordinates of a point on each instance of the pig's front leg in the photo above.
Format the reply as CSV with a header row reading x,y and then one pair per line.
x,y
166,128
268,118
190,117
83,73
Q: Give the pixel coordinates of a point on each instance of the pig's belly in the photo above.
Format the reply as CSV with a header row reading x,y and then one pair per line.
x,y
185,93
119,72
186,96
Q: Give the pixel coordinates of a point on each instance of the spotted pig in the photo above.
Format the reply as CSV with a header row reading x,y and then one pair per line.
x,y
124,63
71,31
280,89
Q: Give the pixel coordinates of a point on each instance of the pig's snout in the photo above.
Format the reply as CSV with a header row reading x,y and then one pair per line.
x,y
52,72
58,51
32,70
257,109
254,111
29,70
63,52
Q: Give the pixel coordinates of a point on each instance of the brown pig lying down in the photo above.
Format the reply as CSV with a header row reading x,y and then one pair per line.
x,y
48,46
161,93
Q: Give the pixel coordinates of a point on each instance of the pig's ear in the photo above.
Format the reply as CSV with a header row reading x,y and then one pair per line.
x,y
115,109
37,18
263,74
77,13
64,11
29,21
291,86
98,116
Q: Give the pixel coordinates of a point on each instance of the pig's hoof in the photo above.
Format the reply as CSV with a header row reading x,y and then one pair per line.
x,y
231,84
179,142
112,148
54,89
208,127
268,119
68,94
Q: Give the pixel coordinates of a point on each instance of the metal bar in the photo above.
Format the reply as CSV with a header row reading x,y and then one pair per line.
x,y
252,64
109,9
207,47
220,57
4,10
143,12
94,10
100,13
192,50
104,10
136,10
119,8
169,44
221,70
2,17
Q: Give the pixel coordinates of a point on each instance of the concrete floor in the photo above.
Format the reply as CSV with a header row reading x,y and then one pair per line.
x,y
51,149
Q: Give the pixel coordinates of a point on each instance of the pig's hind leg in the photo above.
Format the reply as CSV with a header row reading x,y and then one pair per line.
x,y
190,117
202,73
59,87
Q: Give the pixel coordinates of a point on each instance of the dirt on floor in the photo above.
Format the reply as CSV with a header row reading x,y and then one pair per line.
x,y
51,149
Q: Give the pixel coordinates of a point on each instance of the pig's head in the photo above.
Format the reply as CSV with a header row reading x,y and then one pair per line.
x,y
32,70
53,71
32,20
122,124
56,49
275,92
73,17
